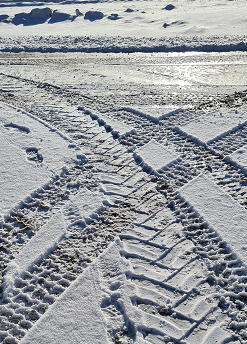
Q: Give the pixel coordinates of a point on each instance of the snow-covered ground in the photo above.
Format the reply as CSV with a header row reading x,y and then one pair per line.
x,y
123,176
123,204
214,25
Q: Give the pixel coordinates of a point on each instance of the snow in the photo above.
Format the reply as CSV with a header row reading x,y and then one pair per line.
x,y
154,113
139,277
123,26
239,158
216,336
76,316
73,315
156,155
83,207
117,128
214,125
32,152
222,213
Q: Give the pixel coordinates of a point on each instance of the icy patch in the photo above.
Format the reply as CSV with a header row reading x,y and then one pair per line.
x,y
83,207
214,125
155,155
116,127
223,214
31,152
239,158
154,113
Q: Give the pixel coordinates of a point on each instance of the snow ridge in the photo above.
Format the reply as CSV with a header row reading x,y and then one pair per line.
x,y
122,44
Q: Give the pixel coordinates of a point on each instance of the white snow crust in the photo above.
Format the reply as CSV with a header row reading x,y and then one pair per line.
x,y
222,213
214,125
32,152
156,155
154,113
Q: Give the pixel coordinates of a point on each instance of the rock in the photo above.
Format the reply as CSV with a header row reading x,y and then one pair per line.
x,y
93,15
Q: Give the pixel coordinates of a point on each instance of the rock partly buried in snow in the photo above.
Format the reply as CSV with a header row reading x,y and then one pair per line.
x,y
129,10
93,15
4,18
78,12
169,7
58,16
114,16
41,12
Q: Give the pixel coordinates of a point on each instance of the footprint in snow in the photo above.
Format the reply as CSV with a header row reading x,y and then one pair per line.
x,y
34,156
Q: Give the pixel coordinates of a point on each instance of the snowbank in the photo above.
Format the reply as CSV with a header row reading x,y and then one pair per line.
x,y
119,44
121,26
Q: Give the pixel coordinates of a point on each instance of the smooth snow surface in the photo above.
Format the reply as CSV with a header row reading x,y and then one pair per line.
x,y
214,125
223,214
32,152
84,206
154,113
155,155
239,158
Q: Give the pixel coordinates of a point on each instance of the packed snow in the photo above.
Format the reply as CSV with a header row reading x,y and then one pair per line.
x,y
76,317
82,208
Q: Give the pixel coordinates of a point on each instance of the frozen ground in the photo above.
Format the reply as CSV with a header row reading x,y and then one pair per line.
x,y
136,232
